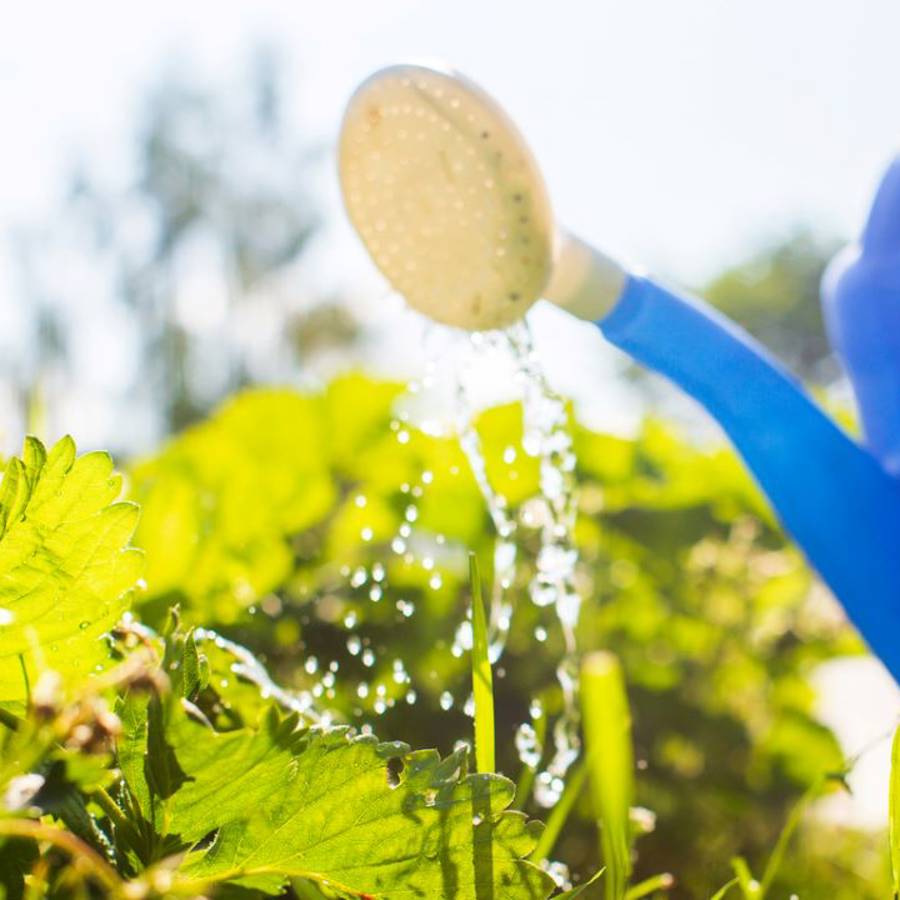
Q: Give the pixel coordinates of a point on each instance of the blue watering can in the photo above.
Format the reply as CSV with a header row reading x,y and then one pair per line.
x,y
452,207
838,498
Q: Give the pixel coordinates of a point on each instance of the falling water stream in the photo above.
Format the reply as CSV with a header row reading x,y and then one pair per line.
x,y
552,513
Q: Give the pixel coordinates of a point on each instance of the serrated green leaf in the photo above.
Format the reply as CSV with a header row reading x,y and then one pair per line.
x,y
65,568
287,802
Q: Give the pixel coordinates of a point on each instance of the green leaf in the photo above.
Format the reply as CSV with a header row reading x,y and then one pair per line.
x,y
482,677
749,886
662,882
722,891
581,888
285,801
894,813
220,500
65,568
607,727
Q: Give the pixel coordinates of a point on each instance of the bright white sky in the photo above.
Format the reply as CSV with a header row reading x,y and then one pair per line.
x,y
677,134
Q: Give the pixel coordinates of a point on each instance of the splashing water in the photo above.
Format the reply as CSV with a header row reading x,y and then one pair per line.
x,y
505,551
552,513
248,667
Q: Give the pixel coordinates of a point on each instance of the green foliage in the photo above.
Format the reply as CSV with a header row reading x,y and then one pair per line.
x,y
894,813
268,523
152,799
65,575
218,502
482,677
607,729
283,800
775,295
683,570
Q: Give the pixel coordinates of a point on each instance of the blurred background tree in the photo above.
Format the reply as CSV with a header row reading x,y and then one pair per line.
x,y
208,231
774,294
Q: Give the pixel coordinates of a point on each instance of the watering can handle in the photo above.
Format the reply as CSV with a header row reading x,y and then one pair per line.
x,y
833,496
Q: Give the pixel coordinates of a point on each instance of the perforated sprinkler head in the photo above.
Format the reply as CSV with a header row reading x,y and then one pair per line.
x,y
446,196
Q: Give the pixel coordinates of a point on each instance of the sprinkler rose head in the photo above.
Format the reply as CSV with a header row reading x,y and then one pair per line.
x,y
446,196
449,201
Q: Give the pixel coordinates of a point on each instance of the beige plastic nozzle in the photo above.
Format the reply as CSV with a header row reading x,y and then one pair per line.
x,y
451,205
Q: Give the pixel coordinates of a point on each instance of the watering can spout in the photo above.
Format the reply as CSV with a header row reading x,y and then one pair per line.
x,y
840,500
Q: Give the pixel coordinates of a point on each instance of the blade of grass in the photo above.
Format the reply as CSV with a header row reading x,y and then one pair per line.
x,y
662,882
722,891
482,677
787,832
894,813
607,728
749,886
578,891
557,819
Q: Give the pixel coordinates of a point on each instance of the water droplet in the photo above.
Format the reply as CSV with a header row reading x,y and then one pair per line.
x,y
82,625
311,665
368,658
354,645
446,701
528,746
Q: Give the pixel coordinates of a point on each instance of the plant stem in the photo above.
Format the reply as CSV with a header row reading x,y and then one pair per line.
x,y
482,677
9,720
83,856
102,798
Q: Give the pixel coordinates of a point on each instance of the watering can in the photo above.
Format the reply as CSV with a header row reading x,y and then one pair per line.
x,y
452,207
